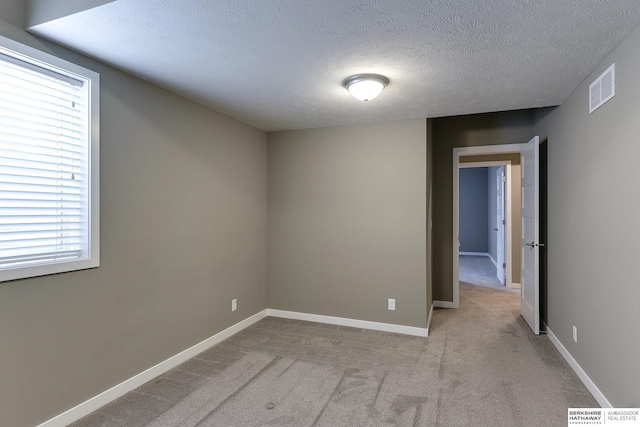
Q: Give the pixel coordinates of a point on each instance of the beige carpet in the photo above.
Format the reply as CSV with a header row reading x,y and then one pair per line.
x,y
481,366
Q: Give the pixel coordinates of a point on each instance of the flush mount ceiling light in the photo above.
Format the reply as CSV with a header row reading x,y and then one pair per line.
x,y
365,87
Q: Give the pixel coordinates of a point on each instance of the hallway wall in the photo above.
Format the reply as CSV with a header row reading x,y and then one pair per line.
x,y
593,227
474,210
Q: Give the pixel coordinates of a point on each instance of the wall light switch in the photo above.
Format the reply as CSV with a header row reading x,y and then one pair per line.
x,y
391,304
575,334
234,304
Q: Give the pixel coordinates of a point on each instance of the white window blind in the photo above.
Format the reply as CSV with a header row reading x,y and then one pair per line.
x,y
45,177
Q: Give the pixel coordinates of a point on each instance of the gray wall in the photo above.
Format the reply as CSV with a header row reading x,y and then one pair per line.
x,y
509,127
492,212
474,210
347,221
183,231
13,12
593,227
41,11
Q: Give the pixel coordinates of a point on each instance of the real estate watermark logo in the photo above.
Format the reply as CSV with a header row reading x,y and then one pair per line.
x,y
603,416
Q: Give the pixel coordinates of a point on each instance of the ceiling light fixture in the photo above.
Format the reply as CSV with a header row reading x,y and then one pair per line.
x,y
365,87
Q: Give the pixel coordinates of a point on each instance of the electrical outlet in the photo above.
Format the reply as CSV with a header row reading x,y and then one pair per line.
x,y
391,304
575,334
234,304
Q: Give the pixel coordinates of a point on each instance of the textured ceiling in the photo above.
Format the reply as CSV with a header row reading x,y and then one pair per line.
x,y
279,64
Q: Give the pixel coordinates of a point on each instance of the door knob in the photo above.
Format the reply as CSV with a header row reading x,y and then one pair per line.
x,y
495,229
534,244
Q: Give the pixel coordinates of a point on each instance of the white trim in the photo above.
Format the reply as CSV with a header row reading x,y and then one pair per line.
x,y
354,323
508,250
595,391
91,82
429,319
489,149
475,254
469,165
484,254
456,232
514,285
468,151
96,402
444,304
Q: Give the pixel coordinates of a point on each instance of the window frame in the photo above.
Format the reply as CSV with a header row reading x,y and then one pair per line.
x,y
91,78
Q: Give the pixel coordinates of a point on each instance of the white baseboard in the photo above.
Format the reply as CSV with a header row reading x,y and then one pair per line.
x,y
493,260
443,304
354,323
484,254
595,391
429,319
475,254
95,403
515,285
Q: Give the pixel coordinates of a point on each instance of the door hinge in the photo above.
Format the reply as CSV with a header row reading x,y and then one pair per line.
x,y
504,265
504,178
503,221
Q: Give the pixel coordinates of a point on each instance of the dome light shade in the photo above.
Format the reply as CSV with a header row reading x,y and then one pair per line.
x,y
365,87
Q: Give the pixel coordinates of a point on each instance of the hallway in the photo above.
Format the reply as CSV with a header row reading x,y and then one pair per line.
x,y
479,271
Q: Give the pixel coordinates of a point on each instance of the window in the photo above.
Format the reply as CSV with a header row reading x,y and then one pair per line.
x,y
49,164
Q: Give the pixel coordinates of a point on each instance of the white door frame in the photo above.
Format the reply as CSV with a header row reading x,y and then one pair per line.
x,y
503,189
471,151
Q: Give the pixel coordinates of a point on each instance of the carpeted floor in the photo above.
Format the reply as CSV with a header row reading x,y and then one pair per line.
x,y
478,270
481,366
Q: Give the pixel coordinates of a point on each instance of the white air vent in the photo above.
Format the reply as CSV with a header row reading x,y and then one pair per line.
x,y
602,89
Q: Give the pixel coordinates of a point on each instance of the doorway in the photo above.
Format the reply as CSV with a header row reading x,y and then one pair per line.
x,y
485,223
530,245
491,156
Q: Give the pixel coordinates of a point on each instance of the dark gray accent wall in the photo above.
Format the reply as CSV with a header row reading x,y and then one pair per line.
x,y
509,127
183,231
473,210
429,187
348,221
593,227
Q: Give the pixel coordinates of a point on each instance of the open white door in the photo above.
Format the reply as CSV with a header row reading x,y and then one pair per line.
x,y
530,292
500,225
